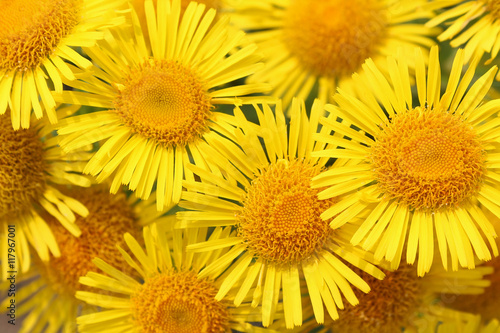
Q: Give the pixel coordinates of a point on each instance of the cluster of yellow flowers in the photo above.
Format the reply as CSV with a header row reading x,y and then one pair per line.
x,y
244,165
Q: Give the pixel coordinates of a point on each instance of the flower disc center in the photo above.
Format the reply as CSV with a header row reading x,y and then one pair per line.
x,y
428,159
280,219
430,156
165,101
334,37
31,29
22,168
178,302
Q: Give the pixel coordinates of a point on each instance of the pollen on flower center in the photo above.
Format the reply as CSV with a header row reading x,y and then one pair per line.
x,y
387,307
280,219
164,100
31,29
22,168
333,37
110,217
430,156
428,159
178,302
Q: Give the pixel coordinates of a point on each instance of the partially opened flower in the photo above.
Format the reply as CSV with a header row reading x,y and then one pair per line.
x,y
312,45
404,302
37,38
159,105
169,297
422,169
265,193
31,166
49,296
475,25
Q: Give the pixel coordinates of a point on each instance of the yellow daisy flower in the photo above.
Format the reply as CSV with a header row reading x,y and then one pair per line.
x,y
420,169
403,302
171,297
159,106
31,164
321,43
36,40
265,192
48,298
474,24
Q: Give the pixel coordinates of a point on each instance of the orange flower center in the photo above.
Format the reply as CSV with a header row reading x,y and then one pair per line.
x,y
280,219
165,101
31,29
110,217
334,37
22,168
178,302
428,159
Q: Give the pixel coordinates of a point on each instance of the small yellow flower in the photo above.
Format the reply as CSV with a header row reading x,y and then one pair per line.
x,y
159,104
311,45
36,40
424,169
280,238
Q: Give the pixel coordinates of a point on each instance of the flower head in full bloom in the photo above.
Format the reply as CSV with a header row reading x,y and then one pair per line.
x,y
279,238
421,170
159,103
